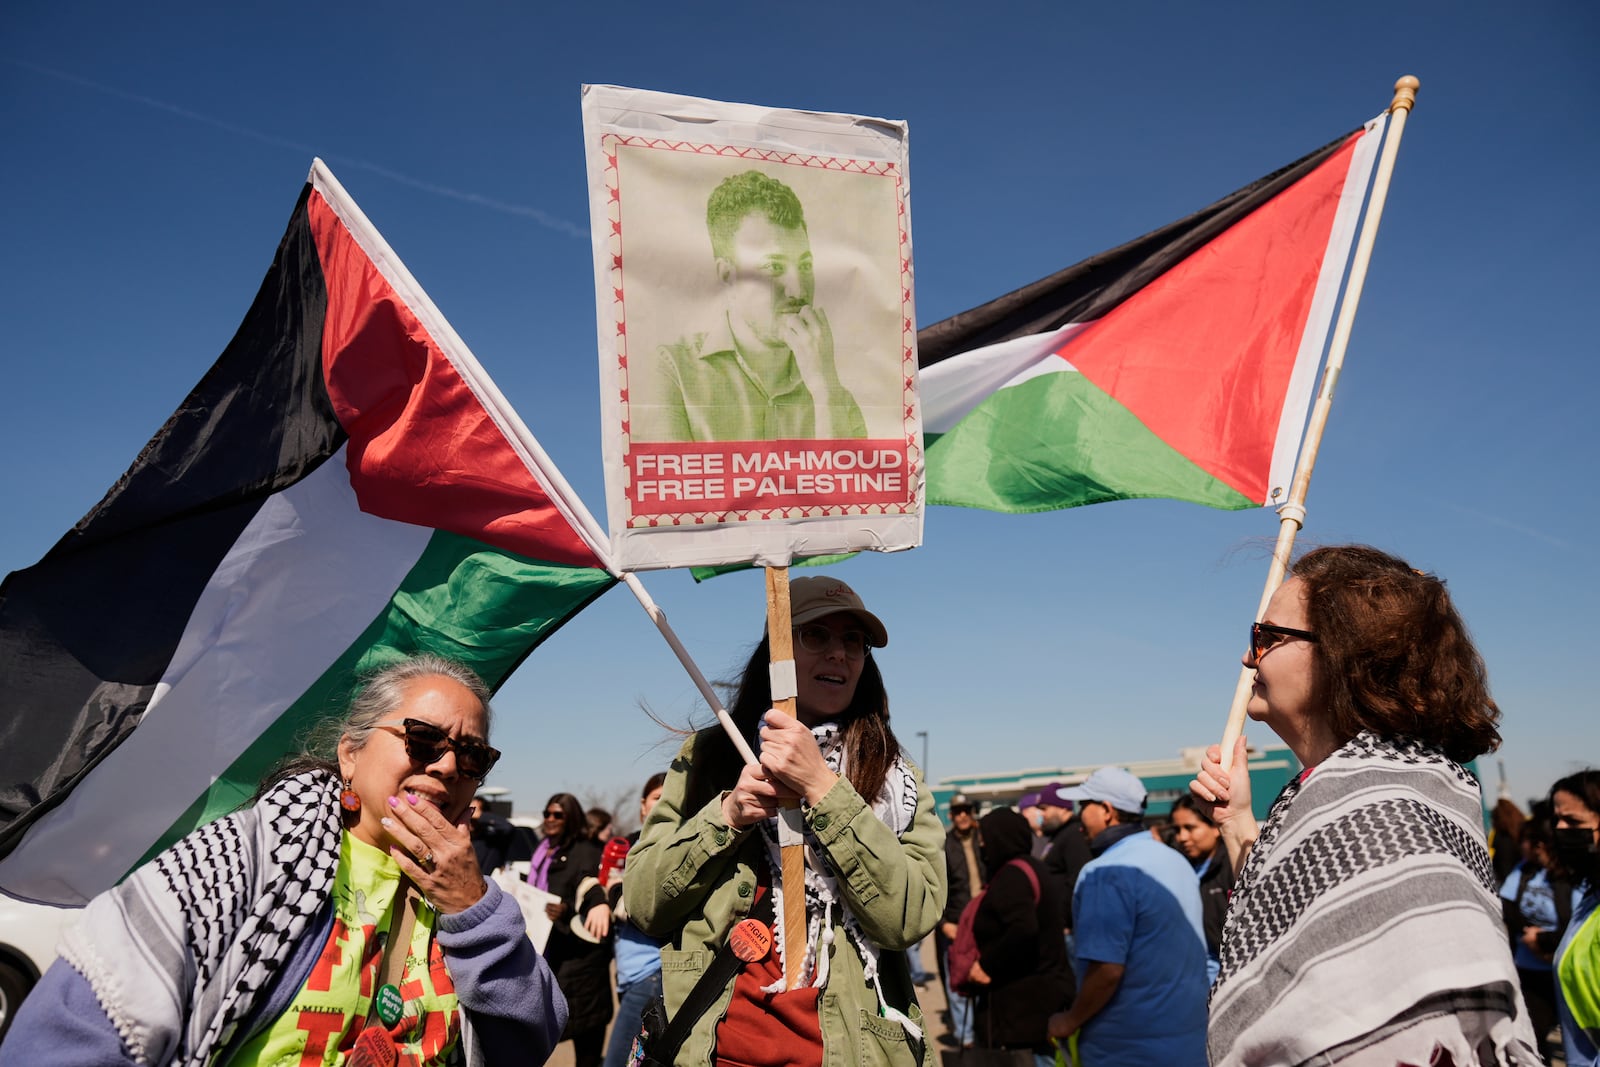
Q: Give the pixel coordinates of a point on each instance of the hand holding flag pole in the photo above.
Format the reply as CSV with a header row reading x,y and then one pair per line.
x,y
1292,515
790,821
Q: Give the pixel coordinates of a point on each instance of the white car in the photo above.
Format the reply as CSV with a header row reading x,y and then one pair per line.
x,y
29,934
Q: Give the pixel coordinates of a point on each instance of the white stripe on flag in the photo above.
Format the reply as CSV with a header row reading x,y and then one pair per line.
x,y
952,387
1297,401
303,581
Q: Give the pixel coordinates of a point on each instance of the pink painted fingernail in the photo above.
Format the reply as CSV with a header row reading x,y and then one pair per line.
x,y
411,797
394,802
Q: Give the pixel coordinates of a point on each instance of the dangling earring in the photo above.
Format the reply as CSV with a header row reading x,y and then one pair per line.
x,y
349,799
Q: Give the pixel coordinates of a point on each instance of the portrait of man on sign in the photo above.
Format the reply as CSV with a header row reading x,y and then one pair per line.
x,y
765,370
755,317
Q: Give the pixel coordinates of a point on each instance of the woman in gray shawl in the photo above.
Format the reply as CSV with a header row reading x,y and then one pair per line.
x,y
341,918
1364,926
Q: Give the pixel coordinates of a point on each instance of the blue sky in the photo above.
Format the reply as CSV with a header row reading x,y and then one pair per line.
x,y
156,152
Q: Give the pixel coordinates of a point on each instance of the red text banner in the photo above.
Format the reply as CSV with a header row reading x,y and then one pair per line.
x,y
734,479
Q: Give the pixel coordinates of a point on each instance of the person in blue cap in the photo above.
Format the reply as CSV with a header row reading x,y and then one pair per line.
x,y
1141,947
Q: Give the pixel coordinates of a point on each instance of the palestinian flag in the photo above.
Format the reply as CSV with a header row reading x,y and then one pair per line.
x,y
344,486
1179,365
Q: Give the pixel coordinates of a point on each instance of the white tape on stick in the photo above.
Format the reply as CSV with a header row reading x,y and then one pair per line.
x,y
791,827
784,684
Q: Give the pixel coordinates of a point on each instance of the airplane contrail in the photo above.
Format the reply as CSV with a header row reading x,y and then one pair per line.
x,y
543,218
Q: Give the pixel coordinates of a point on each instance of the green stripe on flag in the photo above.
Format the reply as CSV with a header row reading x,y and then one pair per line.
x,y
464,600
1056,440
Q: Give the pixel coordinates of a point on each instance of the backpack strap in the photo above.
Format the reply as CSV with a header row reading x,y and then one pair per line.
x,y
724,968
1033,877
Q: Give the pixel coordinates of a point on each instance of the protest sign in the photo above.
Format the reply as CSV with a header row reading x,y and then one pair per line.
x,y
756,328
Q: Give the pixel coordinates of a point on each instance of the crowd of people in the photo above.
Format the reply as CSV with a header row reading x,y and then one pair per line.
x,y
348,914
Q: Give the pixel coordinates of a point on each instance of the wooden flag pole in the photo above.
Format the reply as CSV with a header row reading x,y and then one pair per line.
x,y
1292,515
780,639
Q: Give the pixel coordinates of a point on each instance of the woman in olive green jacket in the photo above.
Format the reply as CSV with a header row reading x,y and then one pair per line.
x,y
875,882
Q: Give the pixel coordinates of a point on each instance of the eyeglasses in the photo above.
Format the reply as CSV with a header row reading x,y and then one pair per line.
x,y
1264,636
561,815
426,744
816,639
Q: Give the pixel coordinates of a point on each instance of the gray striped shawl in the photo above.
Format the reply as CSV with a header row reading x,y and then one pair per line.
x,y
180,954
1365,927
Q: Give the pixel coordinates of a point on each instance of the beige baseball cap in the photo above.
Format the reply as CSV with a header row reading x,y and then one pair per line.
x,y
815,598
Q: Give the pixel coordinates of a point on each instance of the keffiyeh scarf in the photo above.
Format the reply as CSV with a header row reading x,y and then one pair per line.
x,y
1365,924
895,806
180,954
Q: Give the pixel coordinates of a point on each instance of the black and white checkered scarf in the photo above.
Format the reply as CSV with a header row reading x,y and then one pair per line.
x,y
895,806
1365,923
180,954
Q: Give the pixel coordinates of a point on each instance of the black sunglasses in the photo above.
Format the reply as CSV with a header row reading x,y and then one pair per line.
x,y
816,639
426,744
1265,636
556,815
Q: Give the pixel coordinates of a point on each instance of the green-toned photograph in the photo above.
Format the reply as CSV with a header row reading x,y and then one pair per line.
x,y
763,301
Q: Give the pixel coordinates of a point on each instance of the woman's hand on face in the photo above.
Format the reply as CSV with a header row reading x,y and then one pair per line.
x,y
755,796
434,854
790,754
1225,795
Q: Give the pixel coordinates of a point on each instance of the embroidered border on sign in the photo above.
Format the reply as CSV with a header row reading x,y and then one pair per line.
x,y
610,142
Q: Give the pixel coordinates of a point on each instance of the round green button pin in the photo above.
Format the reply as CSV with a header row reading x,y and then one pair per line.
x,y
390,1004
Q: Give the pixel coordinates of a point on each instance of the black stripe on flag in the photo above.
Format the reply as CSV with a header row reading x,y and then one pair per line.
x,y
76,681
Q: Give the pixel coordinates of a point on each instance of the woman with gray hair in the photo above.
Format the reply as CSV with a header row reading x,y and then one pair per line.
x,y
342,912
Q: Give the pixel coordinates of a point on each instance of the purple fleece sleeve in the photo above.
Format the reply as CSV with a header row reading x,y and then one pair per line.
x,y
502,981
61,1022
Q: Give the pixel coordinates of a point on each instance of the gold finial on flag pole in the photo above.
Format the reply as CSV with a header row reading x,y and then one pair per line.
x,y
1405,94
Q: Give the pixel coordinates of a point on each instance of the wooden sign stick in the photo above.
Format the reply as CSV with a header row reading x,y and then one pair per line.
x,y
780,639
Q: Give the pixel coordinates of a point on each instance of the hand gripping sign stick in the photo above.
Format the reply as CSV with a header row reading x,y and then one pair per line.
x,y
790,821
780,638
1292,515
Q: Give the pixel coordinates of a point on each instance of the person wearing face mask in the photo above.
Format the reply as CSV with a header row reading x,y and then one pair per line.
x,y
705,875
1369,885
1028,805
1575,806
